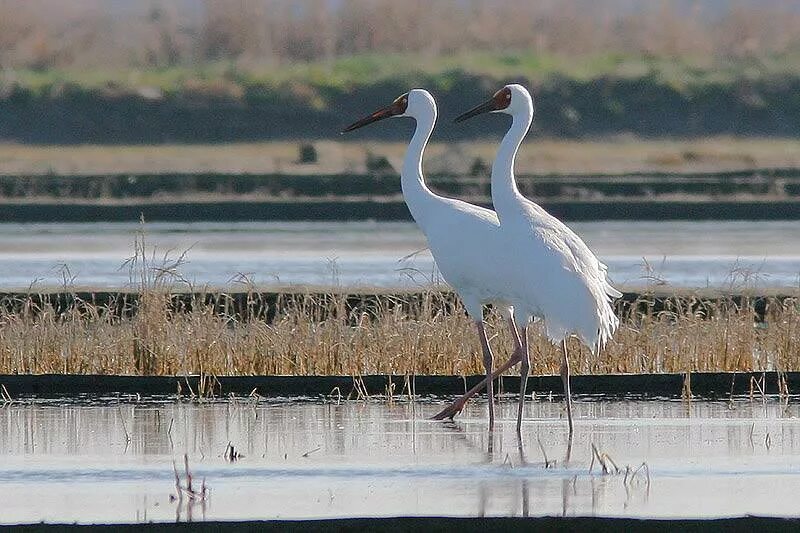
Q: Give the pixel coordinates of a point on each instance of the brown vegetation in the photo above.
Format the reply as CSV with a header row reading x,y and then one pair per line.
x,y
41,34
312,335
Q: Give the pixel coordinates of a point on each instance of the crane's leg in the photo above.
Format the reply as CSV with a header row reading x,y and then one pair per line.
x,y
567,393
524,369
454,408
488,361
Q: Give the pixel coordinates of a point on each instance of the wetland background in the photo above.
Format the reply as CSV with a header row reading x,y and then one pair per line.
x,y
668,130
177,209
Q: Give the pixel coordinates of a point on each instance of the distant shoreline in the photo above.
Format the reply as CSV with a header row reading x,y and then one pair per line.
x,y
648,104
317,195
379,209
540,156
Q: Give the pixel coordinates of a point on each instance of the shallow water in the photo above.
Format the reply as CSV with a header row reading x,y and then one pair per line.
x,y
385,254
306,459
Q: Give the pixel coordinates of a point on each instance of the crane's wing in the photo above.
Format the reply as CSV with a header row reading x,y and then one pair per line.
x,y
575,255
578,294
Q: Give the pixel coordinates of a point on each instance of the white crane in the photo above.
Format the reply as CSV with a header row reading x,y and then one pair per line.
x,y
464,239
557,277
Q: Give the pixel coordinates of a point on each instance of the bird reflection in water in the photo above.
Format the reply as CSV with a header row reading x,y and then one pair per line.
x,y
496,454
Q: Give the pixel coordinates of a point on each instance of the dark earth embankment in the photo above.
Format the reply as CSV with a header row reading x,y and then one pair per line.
x,y
757,194
389,210
756,182
701,385
442,525
265,305
383,211
648,106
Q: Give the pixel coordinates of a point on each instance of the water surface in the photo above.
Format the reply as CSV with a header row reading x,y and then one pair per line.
x,y
112,461
383,254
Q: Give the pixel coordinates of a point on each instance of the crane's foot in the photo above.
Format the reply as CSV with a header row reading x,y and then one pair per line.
x,y
454,408
451,410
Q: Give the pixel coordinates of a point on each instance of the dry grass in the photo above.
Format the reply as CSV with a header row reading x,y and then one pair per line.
x,y
312,334
323,335
539,156
311,338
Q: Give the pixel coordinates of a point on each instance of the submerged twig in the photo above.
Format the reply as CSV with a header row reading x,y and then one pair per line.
x,y
547,462
124,428
231,454
605,461
5,395
309,452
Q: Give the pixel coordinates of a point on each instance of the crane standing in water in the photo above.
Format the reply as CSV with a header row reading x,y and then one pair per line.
x,y
557,277
464,239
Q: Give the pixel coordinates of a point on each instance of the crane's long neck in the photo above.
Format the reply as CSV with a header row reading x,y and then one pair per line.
x,y
418,197
505,195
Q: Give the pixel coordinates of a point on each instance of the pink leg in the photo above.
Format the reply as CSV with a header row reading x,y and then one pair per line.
x,y
524,369
488,361
454,408
567,392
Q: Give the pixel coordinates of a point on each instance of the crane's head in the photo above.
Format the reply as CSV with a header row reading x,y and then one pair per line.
x,y
414,103
513,99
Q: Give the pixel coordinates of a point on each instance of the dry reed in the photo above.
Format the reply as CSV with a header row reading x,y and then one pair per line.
x,y
311,334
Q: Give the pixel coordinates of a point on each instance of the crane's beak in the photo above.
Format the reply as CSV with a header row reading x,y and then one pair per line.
x,y
380,114
486,107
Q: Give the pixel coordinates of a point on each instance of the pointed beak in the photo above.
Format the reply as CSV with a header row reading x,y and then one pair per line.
x,y
485,107
380,114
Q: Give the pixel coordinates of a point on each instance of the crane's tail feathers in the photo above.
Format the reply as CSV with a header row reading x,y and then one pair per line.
x,y
604,333
608,323
609,290
612,292
595,324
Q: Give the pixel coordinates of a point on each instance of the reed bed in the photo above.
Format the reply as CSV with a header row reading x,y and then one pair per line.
x,y
311,334
307,333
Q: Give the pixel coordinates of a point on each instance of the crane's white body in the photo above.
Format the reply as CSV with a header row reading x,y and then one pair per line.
x,y
465,240
548,272
556,276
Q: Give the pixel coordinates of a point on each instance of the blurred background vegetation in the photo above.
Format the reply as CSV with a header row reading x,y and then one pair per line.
x,y
189,70
359,40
